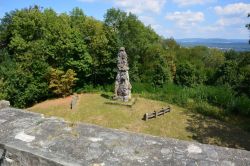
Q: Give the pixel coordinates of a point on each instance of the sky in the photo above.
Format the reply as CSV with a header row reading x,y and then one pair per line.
x,y
169,18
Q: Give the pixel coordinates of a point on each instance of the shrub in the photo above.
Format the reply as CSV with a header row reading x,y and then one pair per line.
x,y
228,74
61,83
3,95
205,108
185,75
24,84
142,88
99,88
242,105
215,101
161,75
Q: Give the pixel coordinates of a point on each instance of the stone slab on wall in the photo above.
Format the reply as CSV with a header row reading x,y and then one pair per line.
x,y
4,104
30,139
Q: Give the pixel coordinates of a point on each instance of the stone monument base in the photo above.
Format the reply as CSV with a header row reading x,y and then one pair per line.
x,y
129,103
122,98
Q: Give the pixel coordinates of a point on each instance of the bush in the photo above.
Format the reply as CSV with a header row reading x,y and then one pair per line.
x,y
206,109
242,105
161,75
228,74
99,88
208,100
24,84
61,83
185,75
3,95
142,88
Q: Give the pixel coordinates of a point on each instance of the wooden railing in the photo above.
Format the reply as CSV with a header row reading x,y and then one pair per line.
x,y
154,114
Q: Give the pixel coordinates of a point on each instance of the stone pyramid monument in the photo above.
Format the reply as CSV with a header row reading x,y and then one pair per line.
x,y
122,84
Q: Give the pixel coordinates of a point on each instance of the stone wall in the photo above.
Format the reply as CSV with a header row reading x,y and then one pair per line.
x,y
30,139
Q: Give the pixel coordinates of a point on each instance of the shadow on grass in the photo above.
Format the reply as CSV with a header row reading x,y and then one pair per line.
x,y
211,131
106,96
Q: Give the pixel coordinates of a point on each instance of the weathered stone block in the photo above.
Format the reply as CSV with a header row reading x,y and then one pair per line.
x,y
73,101
4,104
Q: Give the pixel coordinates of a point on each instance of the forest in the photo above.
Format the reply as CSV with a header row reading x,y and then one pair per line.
x,y
44,55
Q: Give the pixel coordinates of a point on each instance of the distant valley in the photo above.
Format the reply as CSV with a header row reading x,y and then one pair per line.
x,y
223,44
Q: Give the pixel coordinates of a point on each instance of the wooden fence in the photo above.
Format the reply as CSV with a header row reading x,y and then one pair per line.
x,y
154,114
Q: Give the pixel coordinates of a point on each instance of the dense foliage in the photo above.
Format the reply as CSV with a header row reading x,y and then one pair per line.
x,y
44,54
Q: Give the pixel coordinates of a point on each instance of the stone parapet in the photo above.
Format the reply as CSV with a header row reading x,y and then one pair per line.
x,y
30,139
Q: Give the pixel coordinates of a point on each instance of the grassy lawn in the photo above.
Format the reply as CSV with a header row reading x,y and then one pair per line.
x,y
179,123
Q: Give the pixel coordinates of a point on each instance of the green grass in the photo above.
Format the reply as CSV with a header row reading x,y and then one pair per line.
x,y
179,123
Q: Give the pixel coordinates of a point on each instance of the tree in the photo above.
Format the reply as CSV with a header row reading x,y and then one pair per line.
x,y
228,74
244,86
154,66
24,83
77,17
171,44
102,54
161,75
131,33
185,75
61,83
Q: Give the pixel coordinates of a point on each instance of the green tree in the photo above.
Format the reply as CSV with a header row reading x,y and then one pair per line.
x,y
161,75
244,67
244,86
103,57
133,35
228,74
24,83
185,75
154,66
77,17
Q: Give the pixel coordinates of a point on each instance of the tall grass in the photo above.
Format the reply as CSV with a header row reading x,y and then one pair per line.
x,y
200,98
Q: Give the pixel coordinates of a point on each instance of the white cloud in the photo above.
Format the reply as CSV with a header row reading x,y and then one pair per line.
x,y
187,18
232,15
230,21
141,6
191,2
233,9
209,28
160,29
148,20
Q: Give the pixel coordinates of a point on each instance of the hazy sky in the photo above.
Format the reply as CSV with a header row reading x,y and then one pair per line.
x,y
169,18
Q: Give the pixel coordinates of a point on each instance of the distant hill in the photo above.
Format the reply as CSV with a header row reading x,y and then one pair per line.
x,y
223,44
212,40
